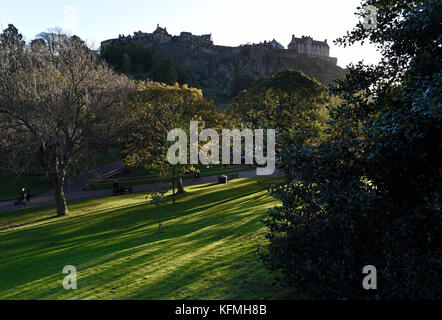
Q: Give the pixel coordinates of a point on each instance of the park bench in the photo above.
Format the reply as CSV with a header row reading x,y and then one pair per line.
x,y
226,178
223,179
122,190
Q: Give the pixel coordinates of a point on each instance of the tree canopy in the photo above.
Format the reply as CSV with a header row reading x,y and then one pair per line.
x,y
287,100
143,63
154,109
57,100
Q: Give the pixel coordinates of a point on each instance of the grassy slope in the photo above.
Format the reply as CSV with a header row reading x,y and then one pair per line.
x,y
207,251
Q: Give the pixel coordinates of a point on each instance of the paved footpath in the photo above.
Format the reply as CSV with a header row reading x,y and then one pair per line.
x,y
77,194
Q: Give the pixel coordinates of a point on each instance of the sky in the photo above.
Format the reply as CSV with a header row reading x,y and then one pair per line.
x,y
231,22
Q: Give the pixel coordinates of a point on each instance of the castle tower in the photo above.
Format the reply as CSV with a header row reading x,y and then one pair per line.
x,y
292,45
306,45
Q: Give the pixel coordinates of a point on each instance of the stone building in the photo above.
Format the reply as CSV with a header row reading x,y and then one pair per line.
x,y
310,47
161,36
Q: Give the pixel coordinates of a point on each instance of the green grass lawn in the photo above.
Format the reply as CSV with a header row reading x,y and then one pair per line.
x,y
138,176
206,251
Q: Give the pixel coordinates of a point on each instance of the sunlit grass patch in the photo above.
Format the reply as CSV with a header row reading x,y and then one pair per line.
x,y
207,249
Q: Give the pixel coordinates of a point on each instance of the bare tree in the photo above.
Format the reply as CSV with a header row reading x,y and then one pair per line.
x,y
57,99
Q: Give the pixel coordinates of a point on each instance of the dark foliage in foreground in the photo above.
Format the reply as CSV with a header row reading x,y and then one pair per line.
x,y
371,194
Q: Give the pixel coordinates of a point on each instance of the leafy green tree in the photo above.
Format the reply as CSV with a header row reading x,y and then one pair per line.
x,y
153,111
126,66
287,101
113,55
164,71
143,63
141,59
370,194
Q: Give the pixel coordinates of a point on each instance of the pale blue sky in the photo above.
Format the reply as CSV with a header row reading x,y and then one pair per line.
x,y
231,22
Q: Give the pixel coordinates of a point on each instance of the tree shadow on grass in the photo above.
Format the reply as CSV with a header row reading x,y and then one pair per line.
x,y
137,215
16,225
205,186
125,239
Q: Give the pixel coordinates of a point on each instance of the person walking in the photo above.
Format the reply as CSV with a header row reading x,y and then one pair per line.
x,y
28,196
21,200
116,187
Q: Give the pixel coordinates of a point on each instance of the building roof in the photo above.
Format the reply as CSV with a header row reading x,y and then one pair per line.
x,y
305,39
276,44
160,30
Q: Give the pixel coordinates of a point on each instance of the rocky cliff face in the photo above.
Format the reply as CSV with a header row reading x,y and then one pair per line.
x,y
224,71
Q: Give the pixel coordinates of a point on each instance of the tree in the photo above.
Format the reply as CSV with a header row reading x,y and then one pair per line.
x,y
11,39
286,101
163,70
143,63
370,194
153,111
156,198
113,55
57,100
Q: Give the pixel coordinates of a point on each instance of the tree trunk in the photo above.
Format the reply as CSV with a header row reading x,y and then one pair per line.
x,y
160,224
60,199
180,186
173,185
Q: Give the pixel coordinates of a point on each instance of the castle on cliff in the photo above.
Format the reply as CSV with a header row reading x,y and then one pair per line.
x,y
222,70
305,45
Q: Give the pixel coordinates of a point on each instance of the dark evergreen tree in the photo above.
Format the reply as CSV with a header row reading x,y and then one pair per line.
x,y
371,194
